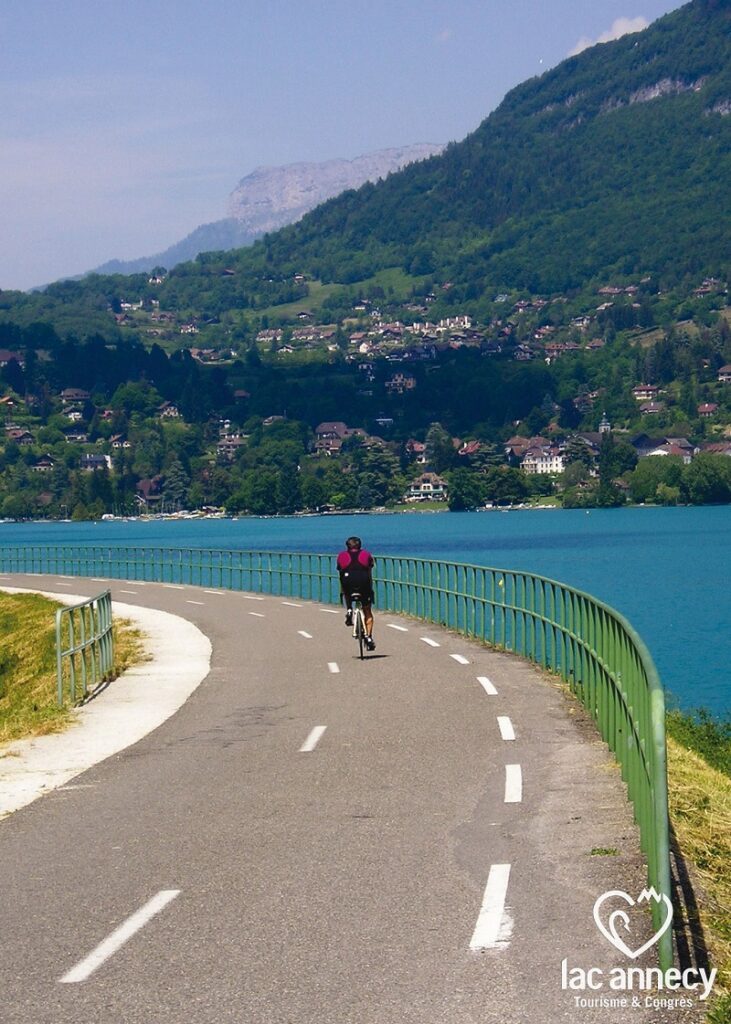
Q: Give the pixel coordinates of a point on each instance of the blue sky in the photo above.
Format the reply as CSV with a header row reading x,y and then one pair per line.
x,y
125,125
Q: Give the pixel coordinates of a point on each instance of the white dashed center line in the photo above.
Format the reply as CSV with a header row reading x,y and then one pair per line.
x,y
487,686
128,591
401,629
506,727
307,636
117,939
214,591
313,739
494,927
291,604
333,667
513,784
460,659
258,615
330,611
173,586
428,640
195,602
251,597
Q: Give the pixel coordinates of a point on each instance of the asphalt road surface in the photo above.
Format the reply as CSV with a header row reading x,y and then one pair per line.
x,y
419,837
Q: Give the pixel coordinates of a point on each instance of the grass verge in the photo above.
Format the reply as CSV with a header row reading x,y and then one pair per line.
x,y
700,809
28,665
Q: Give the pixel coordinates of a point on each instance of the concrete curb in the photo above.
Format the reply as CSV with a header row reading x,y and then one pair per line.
x,y
140,700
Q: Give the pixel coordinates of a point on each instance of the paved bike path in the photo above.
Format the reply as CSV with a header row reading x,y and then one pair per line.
x,y
336,883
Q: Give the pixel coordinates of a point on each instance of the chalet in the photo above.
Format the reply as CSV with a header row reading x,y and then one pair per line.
x,y
20,436
717,448
468,448
668,448
416,450
72,414
168,411
75,395
119,441
707,409
724,374
7,356
645,392
651,408
230,445
43,465
399,383
240,395
427,487
542,459
149,491
90,463
329,436
77,437
516,447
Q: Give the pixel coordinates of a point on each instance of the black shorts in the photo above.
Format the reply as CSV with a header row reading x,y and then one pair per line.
x,y
357,583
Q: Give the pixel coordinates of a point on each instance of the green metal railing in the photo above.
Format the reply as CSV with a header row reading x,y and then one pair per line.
x,y
587,643
84,647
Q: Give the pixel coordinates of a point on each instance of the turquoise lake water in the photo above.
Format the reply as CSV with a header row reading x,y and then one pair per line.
x,y
667,570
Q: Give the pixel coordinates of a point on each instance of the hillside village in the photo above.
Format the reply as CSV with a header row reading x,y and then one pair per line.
x,y
94,450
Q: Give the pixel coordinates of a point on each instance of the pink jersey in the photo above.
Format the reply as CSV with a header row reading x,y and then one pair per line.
x,y
349,560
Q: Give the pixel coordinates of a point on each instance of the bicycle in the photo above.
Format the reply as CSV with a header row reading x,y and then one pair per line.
x,y
359,627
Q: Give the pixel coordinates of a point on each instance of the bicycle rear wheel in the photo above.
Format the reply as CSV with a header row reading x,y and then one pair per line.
x,y
360,629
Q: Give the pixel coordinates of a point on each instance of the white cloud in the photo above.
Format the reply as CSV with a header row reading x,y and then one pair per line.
x,y
620,27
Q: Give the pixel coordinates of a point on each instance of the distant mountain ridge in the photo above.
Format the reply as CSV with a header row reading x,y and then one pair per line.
x,y
272,197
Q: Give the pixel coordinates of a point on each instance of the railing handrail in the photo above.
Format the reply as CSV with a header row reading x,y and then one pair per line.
x,y
563,629
90,636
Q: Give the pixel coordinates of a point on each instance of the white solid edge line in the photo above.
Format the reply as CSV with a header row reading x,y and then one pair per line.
x,y
401,629
513,784
506,727
313,739
119,936
307,636
428,640
333,667
291,604
487,686
460,658
494,927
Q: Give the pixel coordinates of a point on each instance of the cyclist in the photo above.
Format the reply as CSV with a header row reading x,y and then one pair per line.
x,y
355,566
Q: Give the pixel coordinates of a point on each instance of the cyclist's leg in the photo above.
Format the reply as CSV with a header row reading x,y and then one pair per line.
x,y
368,617
347,599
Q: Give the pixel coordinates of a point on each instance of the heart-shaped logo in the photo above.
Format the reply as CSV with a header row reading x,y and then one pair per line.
x,y
620,918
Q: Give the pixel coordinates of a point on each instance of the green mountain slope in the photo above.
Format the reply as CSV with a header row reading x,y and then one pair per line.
x,y
618,160
615,164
